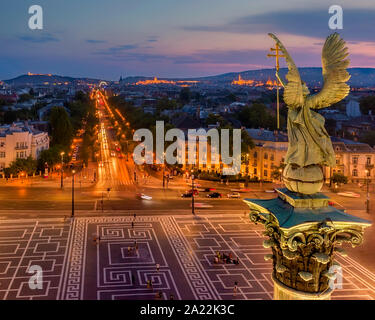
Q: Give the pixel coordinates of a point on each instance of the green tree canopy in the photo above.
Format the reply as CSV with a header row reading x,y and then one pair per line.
x,y
246,142
258,116
339,178
25,97
185,95
52,156
369,138
366,104
62,129
215,118
27,165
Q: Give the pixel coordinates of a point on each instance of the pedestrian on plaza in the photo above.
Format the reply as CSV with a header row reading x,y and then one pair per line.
x,y
235,288
132,224
135,215
171,297
129,250
151,285
238,261
157,267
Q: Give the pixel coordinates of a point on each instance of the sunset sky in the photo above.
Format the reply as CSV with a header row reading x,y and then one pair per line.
x,y
174,38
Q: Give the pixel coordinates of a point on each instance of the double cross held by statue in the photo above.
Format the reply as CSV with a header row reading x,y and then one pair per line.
x,y
277,55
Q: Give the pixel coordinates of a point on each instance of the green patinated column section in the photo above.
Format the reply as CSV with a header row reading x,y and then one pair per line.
x,y
304,234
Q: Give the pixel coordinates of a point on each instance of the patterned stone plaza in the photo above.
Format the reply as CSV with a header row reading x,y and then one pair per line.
x,y
184,246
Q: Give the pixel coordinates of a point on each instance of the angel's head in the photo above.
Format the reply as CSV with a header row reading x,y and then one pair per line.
x,y
305,89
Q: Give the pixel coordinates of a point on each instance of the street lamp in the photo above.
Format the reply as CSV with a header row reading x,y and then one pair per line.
x,y
73,172
62,170
367,171
192,194
163,169
247,170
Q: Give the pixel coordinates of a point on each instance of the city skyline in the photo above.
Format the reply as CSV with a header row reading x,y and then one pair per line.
x,y
169,39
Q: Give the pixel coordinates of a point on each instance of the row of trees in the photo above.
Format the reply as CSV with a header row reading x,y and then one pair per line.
x,y
63,126
258,116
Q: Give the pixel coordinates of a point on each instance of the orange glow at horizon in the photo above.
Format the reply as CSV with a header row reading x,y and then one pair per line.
x,y
183,83
39,74
270,84
242,82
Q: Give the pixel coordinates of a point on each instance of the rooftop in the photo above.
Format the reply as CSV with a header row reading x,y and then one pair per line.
x,y
267,135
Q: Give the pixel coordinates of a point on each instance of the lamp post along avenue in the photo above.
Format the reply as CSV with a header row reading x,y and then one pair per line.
x,y
73,172
192,194
62,169
368,176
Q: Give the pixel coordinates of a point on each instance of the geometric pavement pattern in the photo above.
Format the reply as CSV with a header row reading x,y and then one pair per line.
x,y
184,247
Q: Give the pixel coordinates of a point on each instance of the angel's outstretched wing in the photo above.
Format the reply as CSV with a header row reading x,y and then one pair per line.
x,y
335,76
293,94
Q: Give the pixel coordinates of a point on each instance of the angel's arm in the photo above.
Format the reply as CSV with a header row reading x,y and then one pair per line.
x,y
293,95
280,80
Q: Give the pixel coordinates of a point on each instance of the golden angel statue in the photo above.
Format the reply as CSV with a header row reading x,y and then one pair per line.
x,y
310,146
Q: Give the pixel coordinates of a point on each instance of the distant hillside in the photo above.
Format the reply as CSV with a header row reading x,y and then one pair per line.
x,y
360,77
35,79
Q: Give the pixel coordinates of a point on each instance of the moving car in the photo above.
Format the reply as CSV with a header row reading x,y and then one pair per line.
x,y
214,195
234,195
209,189
142,196
201,205
349,194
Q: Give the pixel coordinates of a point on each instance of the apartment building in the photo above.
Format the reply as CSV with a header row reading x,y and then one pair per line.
x,y
353,159
21,140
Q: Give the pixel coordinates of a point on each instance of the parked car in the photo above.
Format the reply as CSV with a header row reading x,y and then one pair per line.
x,y
234,195
195,191
187,195
214,195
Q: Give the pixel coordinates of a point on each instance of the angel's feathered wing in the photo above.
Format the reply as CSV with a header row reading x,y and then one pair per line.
x,y
293,94
335,76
